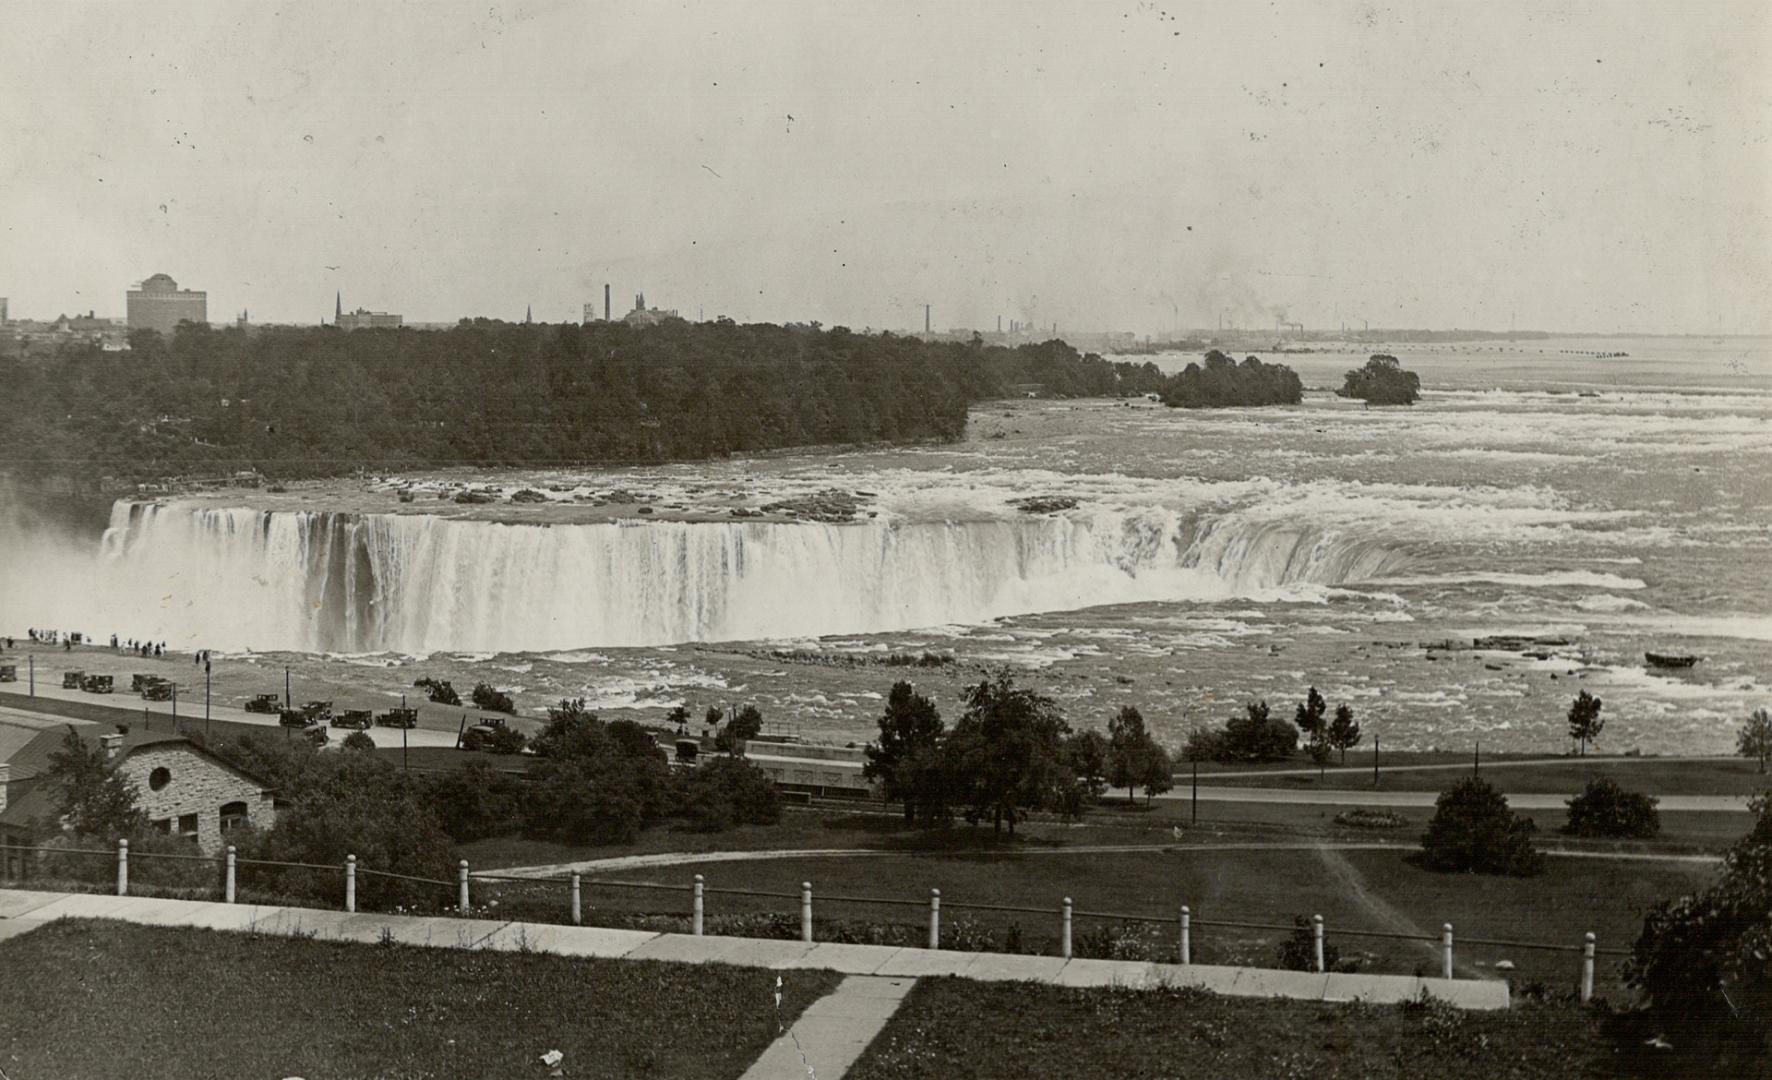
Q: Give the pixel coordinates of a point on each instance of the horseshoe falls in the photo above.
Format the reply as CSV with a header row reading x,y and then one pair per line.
x,y
325,581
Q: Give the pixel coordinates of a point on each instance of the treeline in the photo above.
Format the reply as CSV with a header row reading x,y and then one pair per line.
x,y
314,401
1223,381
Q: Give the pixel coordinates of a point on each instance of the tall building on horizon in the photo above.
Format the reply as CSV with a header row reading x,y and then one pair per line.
x,y
362,319
159,304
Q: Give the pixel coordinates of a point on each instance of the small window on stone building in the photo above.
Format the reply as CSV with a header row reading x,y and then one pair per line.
x,y
163,825
233,816
187,826
159,778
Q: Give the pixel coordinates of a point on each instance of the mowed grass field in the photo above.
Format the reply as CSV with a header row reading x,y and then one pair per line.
x,y
99,999
948,1029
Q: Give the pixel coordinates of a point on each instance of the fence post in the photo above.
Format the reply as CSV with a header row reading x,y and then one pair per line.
x,y
1587,968
122,867
806,912
1446,951
461,901
228,891
700,906
935,918
1187,918
1317,940
350,883
1065,938
577,910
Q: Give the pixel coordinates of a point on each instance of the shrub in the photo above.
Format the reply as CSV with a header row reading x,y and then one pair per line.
x,y
1704,961
505,740
438,690
358,740
1361,818
727,791
1299,952
475,801
600,800
1605,809
1473,830
492,700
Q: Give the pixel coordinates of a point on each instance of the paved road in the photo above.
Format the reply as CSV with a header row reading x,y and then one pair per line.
x,y
1455,766
1324,797
106,707
690,858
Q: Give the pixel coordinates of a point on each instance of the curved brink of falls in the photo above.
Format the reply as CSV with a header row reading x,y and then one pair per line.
x,y
322,581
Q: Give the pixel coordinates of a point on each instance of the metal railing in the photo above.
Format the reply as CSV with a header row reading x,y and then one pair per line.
x,y
229,864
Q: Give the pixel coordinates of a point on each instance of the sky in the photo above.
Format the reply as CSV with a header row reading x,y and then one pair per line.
x,y
1553,165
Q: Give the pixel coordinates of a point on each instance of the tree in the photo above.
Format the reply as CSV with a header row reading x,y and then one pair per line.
x,y
1311,716
1086,754
1158,772
1005,752
746,724
1473,830
1605,809
1755,740
910,729
1129,744
1383,381
1257,735
474,801
678,718
93,798
728,791
1584,719
1702,960
1344,731
488,697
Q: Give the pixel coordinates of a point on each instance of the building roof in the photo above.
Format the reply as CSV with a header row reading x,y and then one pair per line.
x,y
27,740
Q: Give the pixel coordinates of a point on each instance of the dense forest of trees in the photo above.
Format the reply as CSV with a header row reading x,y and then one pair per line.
x,y
1223,382
315,401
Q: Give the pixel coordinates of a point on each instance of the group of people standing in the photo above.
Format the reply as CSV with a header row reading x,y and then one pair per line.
x,y
140,648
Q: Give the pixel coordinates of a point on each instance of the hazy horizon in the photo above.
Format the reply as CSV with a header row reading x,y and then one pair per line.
x,y
1582,168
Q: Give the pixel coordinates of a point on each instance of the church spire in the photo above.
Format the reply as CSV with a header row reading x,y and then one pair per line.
x,y
529,313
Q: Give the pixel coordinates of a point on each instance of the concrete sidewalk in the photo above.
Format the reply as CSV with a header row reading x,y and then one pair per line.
x,y
23,910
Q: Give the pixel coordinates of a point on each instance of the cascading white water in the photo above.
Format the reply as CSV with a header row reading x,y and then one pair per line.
x,y
334,582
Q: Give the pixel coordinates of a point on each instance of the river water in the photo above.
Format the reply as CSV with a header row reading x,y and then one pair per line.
x,y
1606,506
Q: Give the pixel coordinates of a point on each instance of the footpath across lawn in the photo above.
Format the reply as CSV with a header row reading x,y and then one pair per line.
x,y
950,1029
105,999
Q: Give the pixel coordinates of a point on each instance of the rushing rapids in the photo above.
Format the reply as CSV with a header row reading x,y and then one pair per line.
x,y
342,582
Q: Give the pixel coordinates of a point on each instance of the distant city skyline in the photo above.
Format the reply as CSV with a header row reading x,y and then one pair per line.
x,y
1587,167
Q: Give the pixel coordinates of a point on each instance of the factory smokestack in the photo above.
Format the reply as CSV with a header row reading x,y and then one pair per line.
x,y
926,318
606,301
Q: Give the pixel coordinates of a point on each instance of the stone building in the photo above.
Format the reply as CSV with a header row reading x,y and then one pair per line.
x,y
182,788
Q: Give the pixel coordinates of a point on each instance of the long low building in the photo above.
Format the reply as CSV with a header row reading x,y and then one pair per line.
x,y
822,771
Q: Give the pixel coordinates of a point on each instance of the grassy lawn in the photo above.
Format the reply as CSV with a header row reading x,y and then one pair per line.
x,y
104,999
1366,890
1034,1032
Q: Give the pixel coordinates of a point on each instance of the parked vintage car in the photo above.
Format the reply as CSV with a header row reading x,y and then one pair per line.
x,y
155,688
318,712
8,673
71,679
399,716
360,719
97,684
263,703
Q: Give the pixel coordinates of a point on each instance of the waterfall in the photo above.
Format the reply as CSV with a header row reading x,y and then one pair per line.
x,y
340,582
